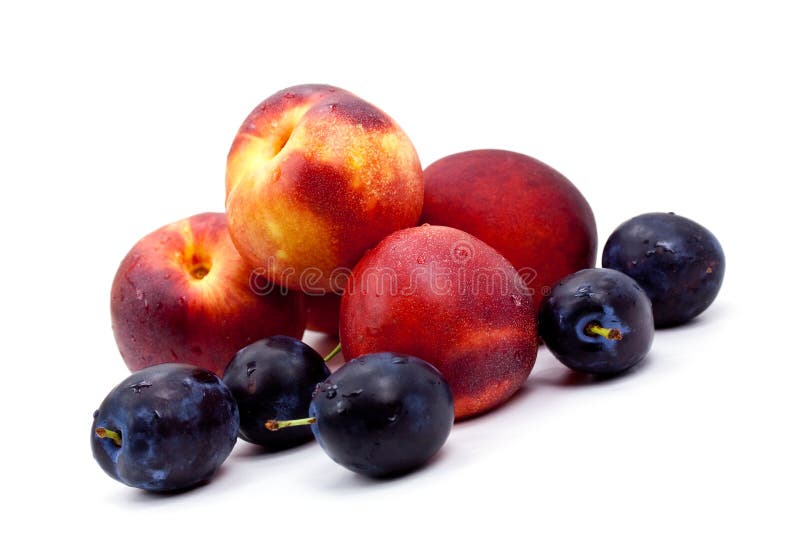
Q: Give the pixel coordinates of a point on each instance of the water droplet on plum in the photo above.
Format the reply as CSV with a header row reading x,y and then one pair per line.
x,y
139,386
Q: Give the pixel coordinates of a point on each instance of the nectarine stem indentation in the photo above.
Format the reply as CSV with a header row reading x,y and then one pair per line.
x,y
200,272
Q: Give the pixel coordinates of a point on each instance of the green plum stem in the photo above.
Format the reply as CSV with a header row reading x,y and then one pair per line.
x,y
274,425
336,350
595,329
109,434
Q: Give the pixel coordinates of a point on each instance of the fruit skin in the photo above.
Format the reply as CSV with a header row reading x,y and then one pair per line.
x,y
679,263
178,423
274,378
163,311
323,313
316,176
382,414
525,209
608,298
446,297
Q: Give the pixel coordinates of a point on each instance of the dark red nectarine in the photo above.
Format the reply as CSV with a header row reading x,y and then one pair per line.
x,y
323,313
525,209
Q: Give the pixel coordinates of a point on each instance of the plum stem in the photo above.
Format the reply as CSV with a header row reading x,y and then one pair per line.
x,y
274,425
109,434
336,350
595,329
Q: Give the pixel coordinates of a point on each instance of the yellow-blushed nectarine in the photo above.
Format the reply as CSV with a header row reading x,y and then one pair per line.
x,y
316,176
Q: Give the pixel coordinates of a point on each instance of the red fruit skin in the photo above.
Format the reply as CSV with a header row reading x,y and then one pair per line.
x,y
525,209
444,296
323,313
162,310
315,176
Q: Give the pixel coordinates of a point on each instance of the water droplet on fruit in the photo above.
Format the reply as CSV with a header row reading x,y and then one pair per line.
x,y
342,407
354,393
139,294
139,386
392,418
251,368
665,246
634,262
584,292
330,392
181,301
331,107
167,276
420,260
399,360
289,95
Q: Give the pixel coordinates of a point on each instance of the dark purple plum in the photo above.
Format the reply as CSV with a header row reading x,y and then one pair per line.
x,y
679,264
381,414
597,321
164,428
274,378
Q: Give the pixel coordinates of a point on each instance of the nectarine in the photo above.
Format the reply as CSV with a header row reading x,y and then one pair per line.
x,y
316,176
525,209
183,294
444,296
323,313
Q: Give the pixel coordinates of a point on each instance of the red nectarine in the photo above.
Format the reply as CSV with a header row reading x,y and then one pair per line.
x,y
444,296
528,211
323,313
183,294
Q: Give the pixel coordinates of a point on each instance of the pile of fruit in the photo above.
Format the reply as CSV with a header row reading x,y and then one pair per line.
x,y
439,283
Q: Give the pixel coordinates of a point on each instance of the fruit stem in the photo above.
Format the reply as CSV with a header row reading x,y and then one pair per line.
x,y
109,434
595,329
336,350
274,425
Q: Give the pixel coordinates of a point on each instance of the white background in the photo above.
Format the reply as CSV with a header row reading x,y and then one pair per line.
x,y
115,120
